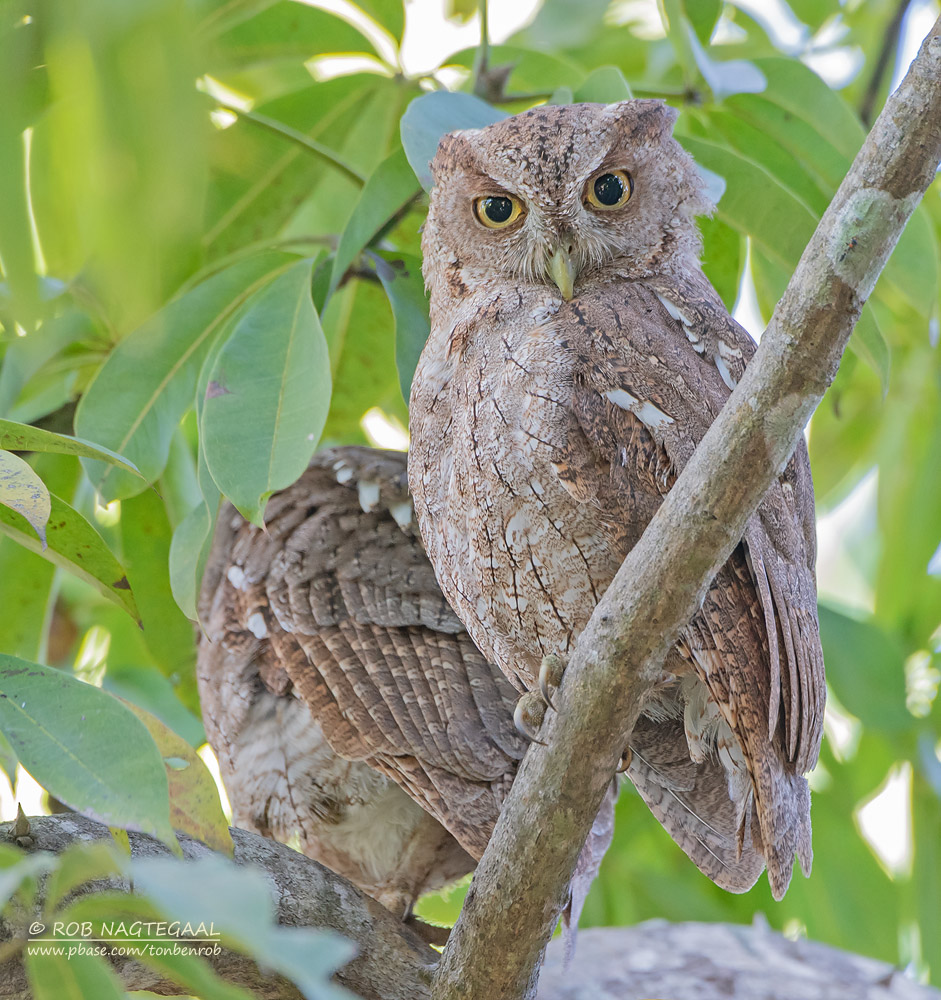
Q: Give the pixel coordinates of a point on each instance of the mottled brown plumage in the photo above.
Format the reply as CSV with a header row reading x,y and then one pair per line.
x,y
348,707
576,357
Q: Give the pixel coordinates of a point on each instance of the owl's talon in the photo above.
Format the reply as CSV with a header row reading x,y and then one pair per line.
x,y
528,715
550,676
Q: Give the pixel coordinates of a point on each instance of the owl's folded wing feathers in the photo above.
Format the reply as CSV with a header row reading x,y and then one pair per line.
x,y
642,428
342,604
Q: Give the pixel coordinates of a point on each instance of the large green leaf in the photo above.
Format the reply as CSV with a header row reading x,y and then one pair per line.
x,y
74,545
191,543
140,393
84,747
25,594
268,394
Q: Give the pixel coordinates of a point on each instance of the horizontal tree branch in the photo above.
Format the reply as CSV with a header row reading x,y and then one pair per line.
x,y
520,885
393,963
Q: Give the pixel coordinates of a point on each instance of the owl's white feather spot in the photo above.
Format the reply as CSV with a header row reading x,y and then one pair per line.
x,y
652,416
675,311
236,576
256,625
622,398
728,352
402,513
343,472
727,376
368,494
537,488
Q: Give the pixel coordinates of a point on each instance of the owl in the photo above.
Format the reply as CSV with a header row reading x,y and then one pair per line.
x,y
351,713
577,356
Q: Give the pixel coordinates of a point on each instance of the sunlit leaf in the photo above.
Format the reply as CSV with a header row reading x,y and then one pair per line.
x,y
66,734
194,799
74,545
21,490
24,437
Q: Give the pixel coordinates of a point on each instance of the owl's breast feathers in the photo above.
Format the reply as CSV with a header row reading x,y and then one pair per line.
x,y
544,437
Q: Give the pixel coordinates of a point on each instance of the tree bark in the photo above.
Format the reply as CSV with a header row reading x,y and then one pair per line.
x,y
519,888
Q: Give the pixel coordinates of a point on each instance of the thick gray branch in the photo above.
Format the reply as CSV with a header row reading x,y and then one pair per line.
x,y
497,945
392,964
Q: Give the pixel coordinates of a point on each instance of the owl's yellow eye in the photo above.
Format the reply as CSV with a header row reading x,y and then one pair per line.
x,y
497,211
609,189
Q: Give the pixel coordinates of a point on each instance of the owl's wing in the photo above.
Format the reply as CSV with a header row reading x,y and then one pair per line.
x,y
343,607
642,402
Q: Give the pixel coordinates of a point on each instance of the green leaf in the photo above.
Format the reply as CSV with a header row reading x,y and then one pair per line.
x,y
139,395
73,544
359,328
605,85
16,868
78,864
25,356
146,536
195,808
191,543
21,490
25,595
759,217
17,53
239,903
562,24
431,116
723,258
107,910
400,275
84,747
70,977
389,14
866,668
25,437
390,187
703,15
268,394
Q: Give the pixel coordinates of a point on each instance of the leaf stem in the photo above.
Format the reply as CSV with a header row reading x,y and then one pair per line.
x,y
298,138
482,56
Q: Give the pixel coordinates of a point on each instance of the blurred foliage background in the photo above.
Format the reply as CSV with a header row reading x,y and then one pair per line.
x,y
214,194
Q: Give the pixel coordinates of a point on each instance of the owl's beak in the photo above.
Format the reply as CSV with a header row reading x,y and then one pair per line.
x,y
562,272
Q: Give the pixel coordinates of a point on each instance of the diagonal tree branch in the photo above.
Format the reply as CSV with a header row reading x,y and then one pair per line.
x,y
519,888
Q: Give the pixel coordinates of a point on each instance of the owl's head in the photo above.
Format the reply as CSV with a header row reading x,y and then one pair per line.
x,y
566,196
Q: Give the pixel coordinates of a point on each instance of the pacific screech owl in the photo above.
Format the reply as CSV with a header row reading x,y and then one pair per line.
x,y
577,356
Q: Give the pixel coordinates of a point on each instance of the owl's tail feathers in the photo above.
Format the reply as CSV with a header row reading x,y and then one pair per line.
x,y
780,826
692,803
586,868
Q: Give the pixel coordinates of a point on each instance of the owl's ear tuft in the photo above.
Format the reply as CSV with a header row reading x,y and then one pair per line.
x,y
455,153
648,118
